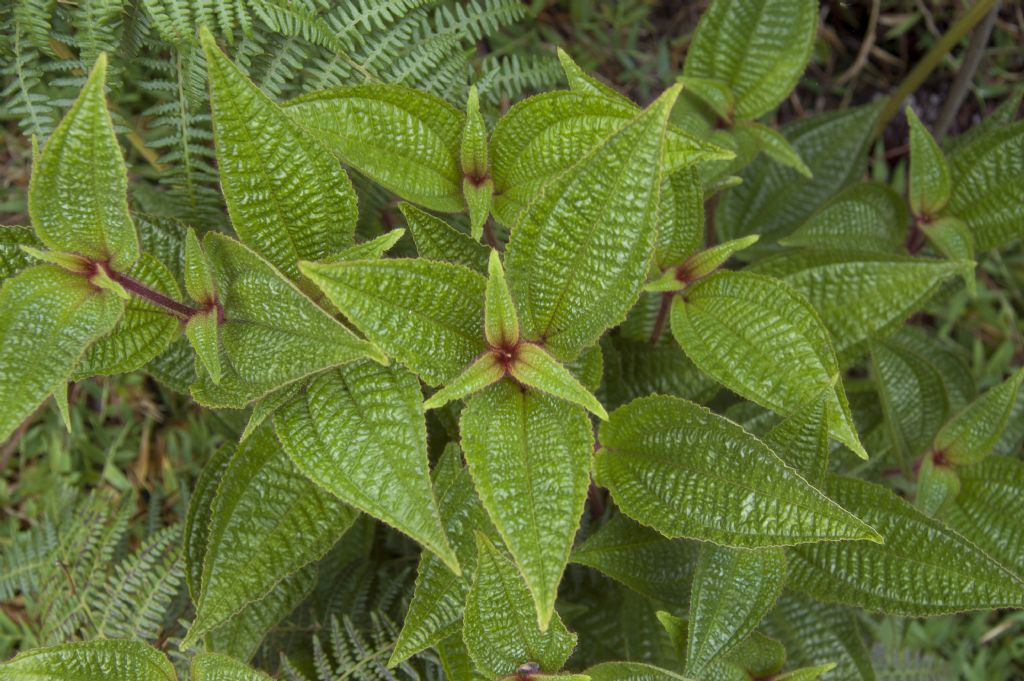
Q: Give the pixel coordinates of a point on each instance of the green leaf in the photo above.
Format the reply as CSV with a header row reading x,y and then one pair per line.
x,y
534,367
478,199
501,324
480,374
630,671
473,151
635,368
948,359
404,139
581,81
656,567
717,94
78,196
142,332
46,302
272,334
216,667
198,273
988,509
426,314
937,486
759,48
680,218
13,257
801,439
288,198
924,568
815,633
732,590
773,199
867,216
201,330
568,283
776,147
929,172
758,656
972,433
858,294
952,238
764,341
676,467
197,520
498,628
358,432
455,660
988,186
267,522
267,405
700,265
60,397
368,250
529,455
109,659
437,240
807,673
436,610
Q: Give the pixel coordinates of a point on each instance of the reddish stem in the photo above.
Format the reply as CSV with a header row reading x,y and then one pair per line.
x,y
659,321
140,290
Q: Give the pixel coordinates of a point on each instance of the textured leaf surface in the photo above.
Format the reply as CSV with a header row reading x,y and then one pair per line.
x,y
78,196
762,340
864,216
636,368
267,521
579,254
501,324
404,139
929,172
110,659
642,559
215,667
674,466
202,332
776,147
437,240
680,218
428,315
198,274
288,198
732,590
12,258
477,376
973,432
801,439
436,610
529,455
197,520
924,568
860,295
48,318
759,47
535,368
988,509
499,628
358,432
630,671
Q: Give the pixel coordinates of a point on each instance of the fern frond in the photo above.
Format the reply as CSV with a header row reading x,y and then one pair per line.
x,y
23,98
513,76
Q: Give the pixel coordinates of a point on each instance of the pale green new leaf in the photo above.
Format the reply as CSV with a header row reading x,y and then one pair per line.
x,y
473,151
930,187
699,265
499,629
680,218
107,659
217,667
198,273
764,341
857,294
952,238
972,433
529,455
477,376
368,250
801,439
534,367
48,318
501,323
288,198
201,330
478,200
267,521
437,240
631,671
676,467
777,147
404,139
579,253
358,432
644,560
13,257
937,485
807,673
867,216
426,314
989,507
732,590
715,93
78,195
760,48
924,568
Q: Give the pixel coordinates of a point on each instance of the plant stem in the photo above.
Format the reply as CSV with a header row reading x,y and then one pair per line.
x,y
659,321
969,66
930,61
140,290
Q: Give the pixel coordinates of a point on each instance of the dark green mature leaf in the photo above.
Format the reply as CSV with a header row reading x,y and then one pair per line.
x,y
929,172
579,254
937,485
529,455
197,520
288,198
109,659
216,667
924,568
456,662
774,199
272,333
775,146
759,48
267,521
642,559
867,216
973,432
637,369
428,315
801,439
630,671
78,196
48,318
436,610
406,140
947,358
498,628
988,186
732,590
988,509
437,240
764,341
860,294
358,432
680,218
674,466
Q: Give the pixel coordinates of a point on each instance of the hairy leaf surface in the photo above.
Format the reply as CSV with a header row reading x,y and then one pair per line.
x,y
864,216
437,240
972,433
988,509
111,659
216,667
